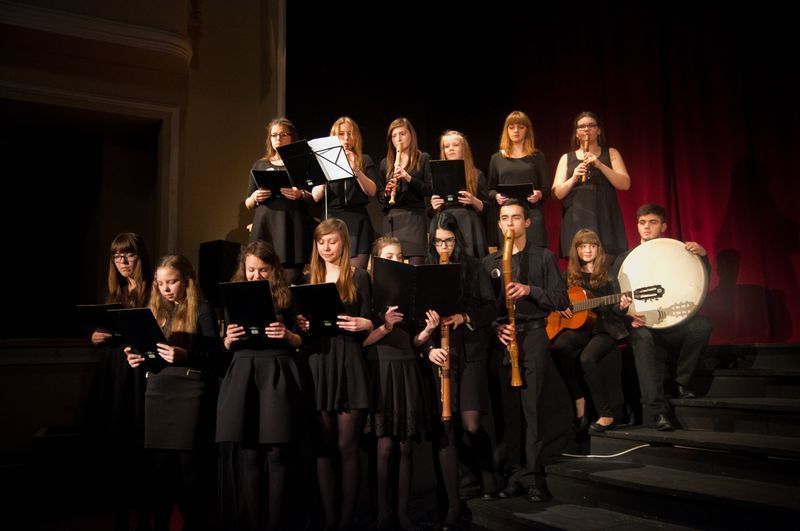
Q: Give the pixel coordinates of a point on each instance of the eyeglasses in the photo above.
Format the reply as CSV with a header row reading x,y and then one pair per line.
x,y
586,126
127,257
280,135
447,242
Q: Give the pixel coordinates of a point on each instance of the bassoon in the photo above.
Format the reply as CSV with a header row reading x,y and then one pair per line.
x,y
513,348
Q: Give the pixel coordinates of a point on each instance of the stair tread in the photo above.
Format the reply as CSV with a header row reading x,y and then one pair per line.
x,y
671,481
518,513
753,372
761,403
772,445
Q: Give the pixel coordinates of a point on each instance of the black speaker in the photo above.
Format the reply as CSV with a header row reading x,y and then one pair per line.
x,y
217,263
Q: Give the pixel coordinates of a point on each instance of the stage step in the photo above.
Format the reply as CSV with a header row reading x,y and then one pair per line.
x,y
748,382
757,355
739,455
764,415
518,514
685,497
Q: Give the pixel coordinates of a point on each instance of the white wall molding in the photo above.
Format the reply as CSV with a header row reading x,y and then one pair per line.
x,y
97,29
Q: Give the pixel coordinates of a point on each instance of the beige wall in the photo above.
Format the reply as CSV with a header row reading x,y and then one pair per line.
x,y
232,95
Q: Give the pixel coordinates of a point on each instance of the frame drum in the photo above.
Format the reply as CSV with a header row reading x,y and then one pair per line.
x,y
666,262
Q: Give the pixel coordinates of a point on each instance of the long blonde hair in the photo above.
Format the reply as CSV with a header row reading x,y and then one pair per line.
x,y
599,274
180,318
269,151
344,284
357,141
469,164
414,153
517,117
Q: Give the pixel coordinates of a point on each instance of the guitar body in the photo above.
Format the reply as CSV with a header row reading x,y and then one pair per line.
x,y
580,320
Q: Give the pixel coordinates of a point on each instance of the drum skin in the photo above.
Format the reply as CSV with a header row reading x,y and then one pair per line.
x,y
666,262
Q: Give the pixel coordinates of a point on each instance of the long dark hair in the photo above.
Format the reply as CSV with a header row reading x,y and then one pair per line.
x,y
445,221
129,242
601,137
281,296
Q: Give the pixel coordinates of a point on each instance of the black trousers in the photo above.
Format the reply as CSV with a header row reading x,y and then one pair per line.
x,y
651,348
591,350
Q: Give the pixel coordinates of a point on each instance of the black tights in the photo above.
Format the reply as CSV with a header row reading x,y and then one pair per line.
x,y
253,461
338,432
360,260
448,458
189,485
293,275
386,447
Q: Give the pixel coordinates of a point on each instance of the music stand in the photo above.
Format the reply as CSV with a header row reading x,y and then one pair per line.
x,y
449,178
417,289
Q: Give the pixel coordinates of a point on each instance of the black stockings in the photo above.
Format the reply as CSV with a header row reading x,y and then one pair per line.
x,y
253,460
339,431
386,447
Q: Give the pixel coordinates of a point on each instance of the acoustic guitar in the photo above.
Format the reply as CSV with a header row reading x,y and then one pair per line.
x,y
582,301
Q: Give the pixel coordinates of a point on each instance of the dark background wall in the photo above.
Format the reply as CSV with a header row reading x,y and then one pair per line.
x,y
697,97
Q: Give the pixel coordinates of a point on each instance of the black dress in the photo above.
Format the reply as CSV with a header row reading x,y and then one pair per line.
x,y
337,365
470,222
180,398
261,398
399,406
593,205
470,344
528,169
282,222
406,219
348,202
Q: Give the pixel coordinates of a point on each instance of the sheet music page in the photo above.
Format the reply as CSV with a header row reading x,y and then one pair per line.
x,y
332,158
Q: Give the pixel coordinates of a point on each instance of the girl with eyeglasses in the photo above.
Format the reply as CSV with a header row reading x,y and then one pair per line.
x,y
282,220
410,178
117,403
519,162
472,201
587,182
469,349
347,199
180,397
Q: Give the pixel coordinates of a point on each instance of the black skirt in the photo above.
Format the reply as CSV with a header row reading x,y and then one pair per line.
x,y
358,226
469,386
410,227
400,407
339,374
261,398
287,226
179,409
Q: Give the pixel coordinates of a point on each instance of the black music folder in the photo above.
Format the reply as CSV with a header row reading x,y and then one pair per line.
x,y
249,304
449,178
302,165
417,289
272,180
96,317
517,191
140,331
320,304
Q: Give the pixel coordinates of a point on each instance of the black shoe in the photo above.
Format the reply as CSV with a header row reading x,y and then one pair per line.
x,y
489,496
685,392
539,492
513,490
599,428
582,423
663,423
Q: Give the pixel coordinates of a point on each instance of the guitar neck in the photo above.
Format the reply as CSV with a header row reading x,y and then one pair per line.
x,y
588,304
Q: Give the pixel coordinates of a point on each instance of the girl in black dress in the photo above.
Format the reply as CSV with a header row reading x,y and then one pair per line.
x,y
118,393
411,178
281,220
519,162
469,348
338,369
587,183
260,401
588,269
472,201
179,401
399,414
347,200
